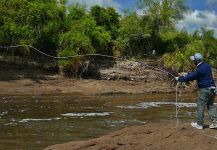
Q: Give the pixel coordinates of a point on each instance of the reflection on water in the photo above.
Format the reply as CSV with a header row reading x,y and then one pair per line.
x,y
37,121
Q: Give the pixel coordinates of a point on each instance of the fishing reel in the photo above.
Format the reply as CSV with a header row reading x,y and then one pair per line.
x,y
213,89
182,84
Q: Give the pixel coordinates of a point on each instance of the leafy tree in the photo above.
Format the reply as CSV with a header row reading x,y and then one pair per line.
x,y
159,15
172,40
131,41
180,59
130,24
74,44
75,12
107,18
34,22
82,36
210,43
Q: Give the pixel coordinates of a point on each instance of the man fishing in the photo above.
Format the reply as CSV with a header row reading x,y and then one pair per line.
x,y
206,84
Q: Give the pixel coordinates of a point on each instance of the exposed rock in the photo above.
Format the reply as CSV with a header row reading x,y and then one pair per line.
x,y
151,136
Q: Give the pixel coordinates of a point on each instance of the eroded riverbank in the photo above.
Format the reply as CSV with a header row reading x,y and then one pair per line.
x,y
84,86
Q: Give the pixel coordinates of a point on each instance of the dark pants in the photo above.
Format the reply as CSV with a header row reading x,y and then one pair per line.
x,y
206,98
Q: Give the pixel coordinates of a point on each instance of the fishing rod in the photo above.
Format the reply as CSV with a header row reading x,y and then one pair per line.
x,y
158,69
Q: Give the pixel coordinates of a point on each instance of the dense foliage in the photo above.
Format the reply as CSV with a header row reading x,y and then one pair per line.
x,y
61,30
35,22
201,41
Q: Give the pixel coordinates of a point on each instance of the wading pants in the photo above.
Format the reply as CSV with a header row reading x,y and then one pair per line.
x,y
206,99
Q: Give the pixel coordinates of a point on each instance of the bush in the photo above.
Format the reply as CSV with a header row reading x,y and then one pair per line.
x,y
180,59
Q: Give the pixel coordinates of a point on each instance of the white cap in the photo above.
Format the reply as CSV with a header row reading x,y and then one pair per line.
x,y
197,56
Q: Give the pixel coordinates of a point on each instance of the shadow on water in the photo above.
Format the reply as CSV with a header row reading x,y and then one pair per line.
x,y
37,121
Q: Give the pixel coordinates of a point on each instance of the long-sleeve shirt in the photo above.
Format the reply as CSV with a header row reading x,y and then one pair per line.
x,y
203,75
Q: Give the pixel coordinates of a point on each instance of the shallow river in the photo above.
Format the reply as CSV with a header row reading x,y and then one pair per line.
x,y
37,121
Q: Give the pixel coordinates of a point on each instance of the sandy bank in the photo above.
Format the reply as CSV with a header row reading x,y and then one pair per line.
x,y
151,136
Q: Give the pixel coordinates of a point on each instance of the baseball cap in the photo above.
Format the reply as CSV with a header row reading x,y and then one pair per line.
x,y
197,56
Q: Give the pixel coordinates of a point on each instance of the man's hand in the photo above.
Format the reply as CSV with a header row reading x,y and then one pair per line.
x,y
177,78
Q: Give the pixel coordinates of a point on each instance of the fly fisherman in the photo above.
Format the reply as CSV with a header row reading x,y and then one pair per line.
x,y
206,84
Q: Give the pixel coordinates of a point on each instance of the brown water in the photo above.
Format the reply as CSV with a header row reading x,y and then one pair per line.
x,y
37,121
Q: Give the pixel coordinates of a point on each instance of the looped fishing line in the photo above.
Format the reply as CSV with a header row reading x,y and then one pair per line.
x,y
178,97
177,119
50,56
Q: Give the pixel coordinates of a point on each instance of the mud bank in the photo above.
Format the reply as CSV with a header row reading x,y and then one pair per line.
x,y
151,136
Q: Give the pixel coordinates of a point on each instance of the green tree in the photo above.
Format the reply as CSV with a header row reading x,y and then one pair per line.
x,y
36,23
131,40
160,15
172,40
180,59
107,18
210,43
82,35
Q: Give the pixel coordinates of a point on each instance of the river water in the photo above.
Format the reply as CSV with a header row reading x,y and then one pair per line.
x,y
37,121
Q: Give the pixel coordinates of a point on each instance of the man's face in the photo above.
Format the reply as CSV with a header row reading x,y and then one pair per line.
x,y
195,62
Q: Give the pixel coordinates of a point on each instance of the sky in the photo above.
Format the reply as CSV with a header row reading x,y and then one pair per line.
x,y
201,13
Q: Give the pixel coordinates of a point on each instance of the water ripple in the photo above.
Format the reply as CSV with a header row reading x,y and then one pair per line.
x,y
86,114
158,104
30,119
